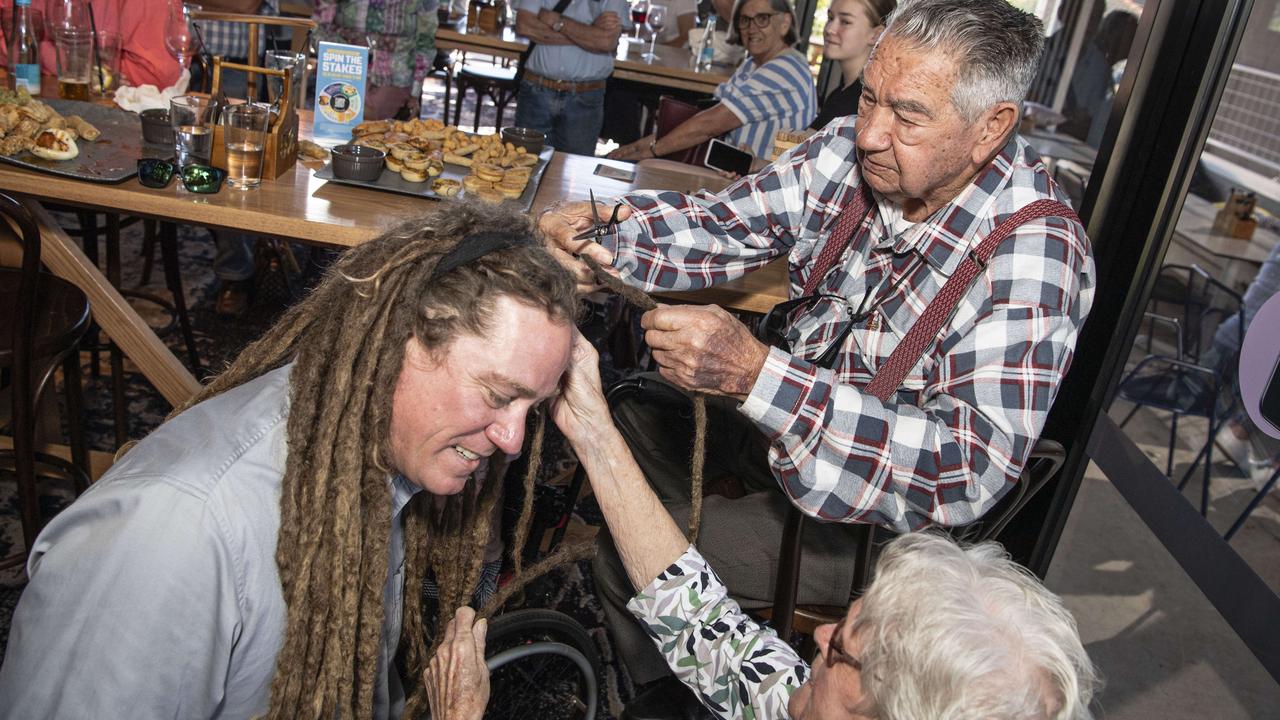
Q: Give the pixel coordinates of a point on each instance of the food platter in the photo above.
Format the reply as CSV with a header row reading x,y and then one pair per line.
x,y
391,181
113,158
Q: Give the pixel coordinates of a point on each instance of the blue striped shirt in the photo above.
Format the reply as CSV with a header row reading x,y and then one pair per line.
x,y
570,62
778,95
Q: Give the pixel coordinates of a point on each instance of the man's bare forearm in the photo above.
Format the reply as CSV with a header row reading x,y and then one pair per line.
x,y
591,37
528,25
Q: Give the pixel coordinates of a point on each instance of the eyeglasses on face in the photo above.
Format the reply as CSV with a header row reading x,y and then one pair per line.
x,y
196,178
835,648
760,21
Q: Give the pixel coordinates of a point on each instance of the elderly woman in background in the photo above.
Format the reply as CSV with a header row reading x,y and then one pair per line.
x,y
771,91
852,29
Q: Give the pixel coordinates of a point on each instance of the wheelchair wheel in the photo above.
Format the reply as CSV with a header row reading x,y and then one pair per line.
x,y
541,664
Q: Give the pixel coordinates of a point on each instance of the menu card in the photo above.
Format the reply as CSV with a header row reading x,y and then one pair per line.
x,y
341,72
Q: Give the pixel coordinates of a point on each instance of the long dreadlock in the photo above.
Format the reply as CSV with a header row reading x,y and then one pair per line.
x,y
346,341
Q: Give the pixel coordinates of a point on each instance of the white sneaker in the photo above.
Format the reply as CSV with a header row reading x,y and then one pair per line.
x,y
1238,451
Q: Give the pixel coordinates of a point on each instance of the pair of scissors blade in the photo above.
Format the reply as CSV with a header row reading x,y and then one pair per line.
x,y
596,231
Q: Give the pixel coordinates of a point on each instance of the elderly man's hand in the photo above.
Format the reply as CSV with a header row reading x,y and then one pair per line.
x,y
457,680
561,222
702,348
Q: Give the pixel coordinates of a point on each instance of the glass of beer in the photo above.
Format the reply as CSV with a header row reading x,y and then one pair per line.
x,y
75,63
192,119
244,127
104,77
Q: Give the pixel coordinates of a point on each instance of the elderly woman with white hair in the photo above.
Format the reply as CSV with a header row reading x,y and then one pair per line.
x,y
772,90
941,632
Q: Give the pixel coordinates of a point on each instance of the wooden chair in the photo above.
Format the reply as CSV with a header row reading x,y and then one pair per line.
x,y
496,82
42,325
1046,457
257,25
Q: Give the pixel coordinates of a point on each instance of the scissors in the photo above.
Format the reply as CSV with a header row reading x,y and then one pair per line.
x,y
599,229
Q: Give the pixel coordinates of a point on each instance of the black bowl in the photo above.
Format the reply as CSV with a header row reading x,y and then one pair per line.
x,y
527,138
155,126
357,162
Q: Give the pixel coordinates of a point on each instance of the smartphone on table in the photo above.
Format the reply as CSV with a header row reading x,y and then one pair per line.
x,y
723,156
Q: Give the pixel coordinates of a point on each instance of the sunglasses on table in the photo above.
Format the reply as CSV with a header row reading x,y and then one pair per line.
x,y
760,21
196,178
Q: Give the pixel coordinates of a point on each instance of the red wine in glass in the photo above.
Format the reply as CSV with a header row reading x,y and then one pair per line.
x,y
639,14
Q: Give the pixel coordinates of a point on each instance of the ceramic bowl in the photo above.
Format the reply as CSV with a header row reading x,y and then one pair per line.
x,y
155,126
531,140
357,162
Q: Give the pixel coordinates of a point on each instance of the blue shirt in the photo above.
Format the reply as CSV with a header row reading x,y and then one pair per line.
x,y
156,593
570,62
778,95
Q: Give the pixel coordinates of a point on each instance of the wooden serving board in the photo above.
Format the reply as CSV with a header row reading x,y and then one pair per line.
x,y
392,182
112,159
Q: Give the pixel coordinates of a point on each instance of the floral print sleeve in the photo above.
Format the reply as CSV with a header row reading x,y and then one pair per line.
x,y
739,667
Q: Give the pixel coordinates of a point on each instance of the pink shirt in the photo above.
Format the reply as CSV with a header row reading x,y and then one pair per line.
x,y
144,60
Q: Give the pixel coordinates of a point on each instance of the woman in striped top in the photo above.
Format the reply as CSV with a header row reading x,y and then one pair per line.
x,y
771,91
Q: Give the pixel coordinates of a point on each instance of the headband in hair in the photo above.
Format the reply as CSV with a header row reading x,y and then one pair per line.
x,y
475,246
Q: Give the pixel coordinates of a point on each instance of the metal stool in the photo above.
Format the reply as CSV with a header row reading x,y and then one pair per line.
x,y
494,81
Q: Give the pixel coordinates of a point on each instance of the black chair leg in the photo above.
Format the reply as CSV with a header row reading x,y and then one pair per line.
x,y
148,250
75,418
1129,417
1253,504
120,414
173,278
1173,437
1208,471
89,241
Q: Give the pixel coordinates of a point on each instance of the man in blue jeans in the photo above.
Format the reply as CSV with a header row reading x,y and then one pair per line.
x,y
562,93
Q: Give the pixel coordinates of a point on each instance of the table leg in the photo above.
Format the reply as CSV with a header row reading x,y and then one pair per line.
x,y
113,313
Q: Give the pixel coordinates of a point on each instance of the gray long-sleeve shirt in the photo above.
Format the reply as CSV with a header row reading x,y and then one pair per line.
x,y
156,594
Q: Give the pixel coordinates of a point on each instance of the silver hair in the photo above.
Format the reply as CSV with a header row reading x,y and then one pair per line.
x,y
780,6
997,47
956,633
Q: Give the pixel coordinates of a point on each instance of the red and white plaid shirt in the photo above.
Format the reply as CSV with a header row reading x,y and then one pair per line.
x,y
956,435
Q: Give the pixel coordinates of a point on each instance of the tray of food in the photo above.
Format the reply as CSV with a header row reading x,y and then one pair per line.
x,y
67,137
428,159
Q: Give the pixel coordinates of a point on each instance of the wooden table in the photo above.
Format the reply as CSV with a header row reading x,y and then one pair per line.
x,y
671,69
297,206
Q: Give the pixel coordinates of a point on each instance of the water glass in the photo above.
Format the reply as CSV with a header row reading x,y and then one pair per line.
x,y
75,63
192,119
244,127
104,77
296,63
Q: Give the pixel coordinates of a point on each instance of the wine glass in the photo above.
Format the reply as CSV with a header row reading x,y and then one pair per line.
x,y
179,34
657,19
639,12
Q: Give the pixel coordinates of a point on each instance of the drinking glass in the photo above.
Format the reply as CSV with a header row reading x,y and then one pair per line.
x,y
244,129
296,63
639,12
192,119
66,15
657,20
104,75
75,63
179,34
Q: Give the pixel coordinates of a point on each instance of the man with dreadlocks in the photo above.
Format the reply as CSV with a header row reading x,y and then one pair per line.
x,y
254,555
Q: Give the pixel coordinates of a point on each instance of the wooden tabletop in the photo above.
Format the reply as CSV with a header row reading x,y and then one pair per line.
x,y
671,69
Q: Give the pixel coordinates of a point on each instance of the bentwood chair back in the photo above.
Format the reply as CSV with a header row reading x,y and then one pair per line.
x,y
257,26
44,321
1046,458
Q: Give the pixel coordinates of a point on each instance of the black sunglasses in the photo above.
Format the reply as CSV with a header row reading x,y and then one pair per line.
x,y
761,20
196,178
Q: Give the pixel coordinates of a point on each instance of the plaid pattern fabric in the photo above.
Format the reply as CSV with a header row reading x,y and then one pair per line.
x,y
231,40
739,667
956,434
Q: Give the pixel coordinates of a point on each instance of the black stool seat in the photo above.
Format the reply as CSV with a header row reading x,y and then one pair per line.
x,y
493,81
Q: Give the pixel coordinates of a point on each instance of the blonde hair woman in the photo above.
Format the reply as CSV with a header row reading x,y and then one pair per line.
x,y
853,26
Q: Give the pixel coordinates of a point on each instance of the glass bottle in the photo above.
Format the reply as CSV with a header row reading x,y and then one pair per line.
x,y
24,58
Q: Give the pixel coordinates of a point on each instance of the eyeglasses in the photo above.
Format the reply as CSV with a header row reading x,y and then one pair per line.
x,y
760,21
196,178
835,648
823,348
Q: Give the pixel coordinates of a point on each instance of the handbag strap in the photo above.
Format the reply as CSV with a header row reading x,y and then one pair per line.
x,y
524,56
925,330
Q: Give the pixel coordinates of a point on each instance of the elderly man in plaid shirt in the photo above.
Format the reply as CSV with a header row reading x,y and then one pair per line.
x,y
935,154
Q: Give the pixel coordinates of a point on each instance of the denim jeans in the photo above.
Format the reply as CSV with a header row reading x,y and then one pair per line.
x,y
570,120
234,258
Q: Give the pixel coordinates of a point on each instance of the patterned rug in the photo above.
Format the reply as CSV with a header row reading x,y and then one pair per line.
x,y
569,590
